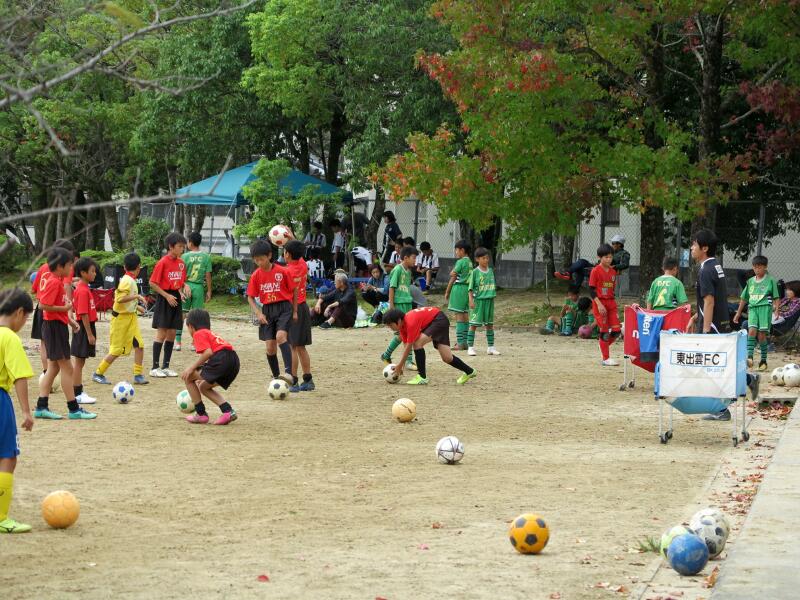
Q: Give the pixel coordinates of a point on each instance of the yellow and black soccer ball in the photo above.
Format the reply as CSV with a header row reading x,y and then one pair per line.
x,y
528,534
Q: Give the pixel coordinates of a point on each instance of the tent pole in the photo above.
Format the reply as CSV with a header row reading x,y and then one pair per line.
x,y
211,236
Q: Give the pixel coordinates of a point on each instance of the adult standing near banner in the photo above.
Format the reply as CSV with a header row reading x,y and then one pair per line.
x,y
712,314
390,234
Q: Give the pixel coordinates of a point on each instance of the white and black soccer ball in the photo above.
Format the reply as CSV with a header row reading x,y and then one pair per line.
x,y
713,527
777,376
791,375
449,450
390,375
280,235
278,389
123,392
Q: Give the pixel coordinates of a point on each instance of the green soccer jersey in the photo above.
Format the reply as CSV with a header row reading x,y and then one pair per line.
x,y
481,284
760,293
197,265
666,292
463,268
570,304
400,280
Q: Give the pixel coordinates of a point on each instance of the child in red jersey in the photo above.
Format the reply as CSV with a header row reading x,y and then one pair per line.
x,y
216,365
602,281
168,281
418,327
300,328
85,339
55,334
272,285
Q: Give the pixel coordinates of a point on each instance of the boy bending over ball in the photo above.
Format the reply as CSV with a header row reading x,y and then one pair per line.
x,y
15,370
217,364
415,329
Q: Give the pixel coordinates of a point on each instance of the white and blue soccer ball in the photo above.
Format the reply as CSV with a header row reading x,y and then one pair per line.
x,y
713,527
123,392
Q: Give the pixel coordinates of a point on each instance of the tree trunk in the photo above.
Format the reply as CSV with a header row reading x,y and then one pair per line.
x,y
59,203
651,248
469,234
199,217
186,209
112,222
134,212
338,137
38,202
375,219
96,229
567,250
549,256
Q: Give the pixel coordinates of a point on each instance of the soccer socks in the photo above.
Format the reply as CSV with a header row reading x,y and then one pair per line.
x,y
550,325
42,403
393,344
73,405
178,335
307,377
157,354
168,346
272,359
103,367
470,337
461,365
462,327
490,337
225,407
137,369
751,346
419,357
604,346
6,489
200,409
78,389
566,324
763,346
286,353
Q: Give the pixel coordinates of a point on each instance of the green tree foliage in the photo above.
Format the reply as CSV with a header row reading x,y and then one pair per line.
x,y
147,236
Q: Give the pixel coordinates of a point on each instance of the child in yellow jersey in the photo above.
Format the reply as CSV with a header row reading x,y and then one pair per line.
x,y
15,370
125,335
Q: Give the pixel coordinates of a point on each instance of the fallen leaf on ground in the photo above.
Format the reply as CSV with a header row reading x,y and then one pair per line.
x,y
263,578
423,547
437,525
555,596
711,580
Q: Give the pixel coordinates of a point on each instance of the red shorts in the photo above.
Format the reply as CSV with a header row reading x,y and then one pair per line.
x,y
611,321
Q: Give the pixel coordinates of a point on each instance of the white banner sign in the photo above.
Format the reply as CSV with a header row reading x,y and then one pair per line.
x,y
698,365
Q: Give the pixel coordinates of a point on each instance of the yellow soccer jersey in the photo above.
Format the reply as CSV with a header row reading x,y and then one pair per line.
x,y
14,363
127,287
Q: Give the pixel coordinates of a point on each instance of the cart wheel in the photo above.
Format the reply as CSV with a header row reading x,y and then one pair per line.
x,y
669,434
745,436
735,441
622,388
630,385
664,438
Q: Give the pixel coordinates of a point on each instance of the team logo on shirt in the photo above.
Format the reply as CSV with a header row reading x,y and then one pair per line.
x,y
278,277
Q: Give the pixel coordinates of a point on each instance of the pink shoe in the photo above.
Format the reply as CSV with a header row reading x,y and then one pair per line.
x,y
197,419
225,418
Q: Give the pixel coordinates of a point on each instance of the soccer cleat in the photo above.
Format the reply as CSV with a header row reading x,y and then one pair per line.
x,y
749,362
562,275
471,351
492,351
140,380
410,365
157,373
169,372
466,377
610,362
387,360
81,414
225,418
46,413
294,389
97,378
417,380
84,398
177,347
307,386
325,325
287,377
566,332
762,366
725,415
12,526
197,419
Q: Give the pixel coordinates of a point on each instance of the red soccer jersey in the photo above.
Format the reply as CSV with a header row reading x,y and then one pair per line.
x,y
52,293
603,282
271,286
169,273
415,321
299,272
83,302
205,339
45,270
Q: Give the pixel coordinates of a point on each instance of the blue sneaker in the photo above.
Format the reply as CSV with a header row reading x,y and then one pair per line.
x,y
82,414
46,413
307,386
97,378
294,389
140,380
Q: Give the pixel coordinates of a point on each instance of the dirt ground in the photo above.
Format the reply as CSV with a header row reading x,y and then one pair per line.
x,y
329,497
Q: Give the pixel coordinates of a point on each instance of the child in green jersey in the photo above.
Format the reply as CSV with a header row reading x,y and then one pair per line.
x,y
762,298
198,278
400,294
567,320
667,292
457,293
482,291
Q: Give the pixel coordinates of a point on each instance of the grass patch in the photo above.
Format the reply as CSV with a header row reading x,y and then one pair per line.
x,y
650,544
228,305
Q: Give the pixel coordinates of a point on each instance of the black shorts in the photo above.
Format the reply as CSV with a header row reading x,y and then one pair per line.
x,y
36,324
166,316
279,315
439,330
221,369
81,348
300,330
55,335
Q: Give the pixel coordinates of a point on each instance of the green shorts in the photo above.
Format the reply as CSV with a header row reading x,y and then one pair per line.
x,y
403,306
581,318
459,298
760,317
198,299
483,313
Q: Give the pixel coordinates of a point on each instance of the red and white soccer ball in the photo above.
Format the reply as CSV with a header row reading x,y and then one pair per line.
x,y
280,235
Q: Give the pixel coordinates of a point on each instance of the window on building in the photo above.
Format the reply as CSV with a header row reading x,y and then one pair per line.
x,y
610,214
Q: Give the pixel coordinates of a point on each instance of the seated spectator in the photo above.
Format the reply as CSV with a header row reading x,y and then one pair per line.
x,y
409,241
427,264
316,270
338,307
362,259
394,259
376,290
788,309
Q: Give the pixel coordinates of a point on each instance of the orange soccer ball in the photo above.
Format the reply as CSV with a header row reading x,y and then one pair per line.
x,y
61,509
